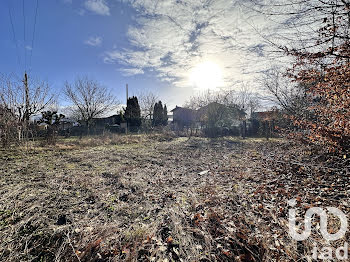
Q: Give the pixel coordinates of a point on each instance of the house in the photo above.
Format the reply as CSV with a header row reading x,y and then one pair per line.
x,y
67,123
114,123
107,121
265,115
217,111
183,117
216,117
264,122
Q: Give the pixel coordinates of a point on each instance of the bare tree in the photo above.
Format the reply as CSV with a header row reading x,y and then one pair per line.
x,y
21,100
205,98
282,92
244,98
219,111
248,102
26,98
147,101
89,99
8,126
315,28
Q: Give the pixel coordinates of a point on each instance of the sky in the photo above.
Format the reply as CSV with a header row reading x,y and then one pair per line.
x,y
173,48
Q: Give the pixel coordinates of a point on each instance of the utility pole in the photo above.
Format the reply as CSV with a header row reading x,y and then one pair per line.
x,y
127,97
127,93
26,91
25,116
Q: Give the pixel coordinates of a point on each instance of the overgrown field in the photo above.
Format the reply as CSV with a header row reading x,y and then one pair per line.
x,y
155,198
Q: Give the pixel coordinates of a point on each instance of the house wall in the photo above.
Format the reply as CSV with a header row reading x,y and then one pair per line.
x,y
183,116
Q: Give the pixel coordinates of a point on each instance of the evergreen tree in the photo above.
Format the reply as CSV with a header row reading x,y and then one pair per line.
x,y
165,116
133,112
52,120
121,116
158,114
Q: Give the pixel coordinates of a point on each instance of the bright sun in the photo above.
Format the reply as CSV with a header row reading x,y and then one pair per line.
x,y
207,75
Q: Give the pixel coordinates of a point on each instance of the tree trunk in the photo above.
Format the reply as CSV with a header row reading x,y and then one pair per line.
x,y
244,131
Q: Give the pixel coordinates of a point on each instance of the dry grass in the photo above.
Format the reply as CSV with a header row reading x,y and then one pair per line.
x,y
151,198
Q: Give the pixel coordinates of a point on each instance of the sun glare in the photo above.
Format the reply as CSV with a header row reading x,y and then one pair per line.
x,y
207,75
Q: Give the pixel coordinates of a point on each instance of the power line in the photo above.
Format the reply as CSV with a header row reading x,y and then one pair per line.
x,y
14,35
36,14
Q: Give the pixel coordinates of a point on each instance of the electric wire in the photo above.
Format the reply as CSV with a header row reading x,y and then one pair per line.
x,y
33,37
14,35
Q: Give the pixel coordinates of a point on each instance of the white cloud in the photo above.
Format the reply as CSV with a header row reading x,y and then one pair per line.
x,y
81,12
99,7
131,71
172,37
94,41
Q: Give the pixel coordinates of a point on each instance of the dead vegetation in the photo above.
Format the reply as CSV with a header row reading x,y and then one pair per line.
x,y
161,198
